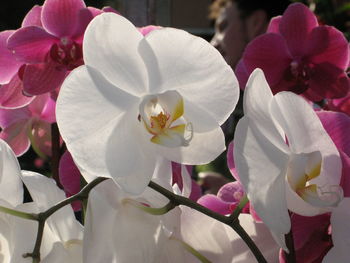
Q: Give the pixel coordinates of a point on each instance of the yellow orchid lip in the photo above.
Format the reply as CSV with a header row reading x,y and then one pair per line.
x,y
162,116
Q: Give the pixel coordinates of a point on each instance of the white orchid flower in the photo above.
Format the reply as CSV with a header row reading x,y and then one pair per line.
x,y
62,238
284,157
137,98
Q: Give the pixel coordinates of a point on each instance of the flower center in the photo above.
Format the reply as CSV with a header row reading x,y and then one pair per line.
x,y
162,116
67,53
302,169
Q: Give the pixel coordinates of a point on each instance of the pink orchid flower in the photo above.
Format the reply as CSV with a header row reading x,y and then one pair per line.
x,y
51,45
299,55
11,90
29,125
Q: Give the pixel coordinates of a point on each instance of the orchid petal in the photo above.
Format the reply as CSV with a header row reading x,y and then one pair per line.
x,y
42,77
265,52
33,17
136,229
8,62
337,125
255,156
92,120
63,222
306,134
16,135
274,25
231,162
11,188
329,81
203,148
192,80
11,94
60,17
215,204
295,26
327,44
118,55
31,44
69,174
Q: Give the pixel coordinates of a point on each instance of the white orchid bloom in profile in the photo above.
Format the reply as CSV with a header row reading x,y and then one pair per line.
x,y
62,237
284,157
137,98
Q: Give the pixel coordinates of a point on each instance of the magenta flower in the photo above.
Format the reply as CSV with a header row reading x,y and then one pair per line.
x,y
29,125
51,45
299,55
11,90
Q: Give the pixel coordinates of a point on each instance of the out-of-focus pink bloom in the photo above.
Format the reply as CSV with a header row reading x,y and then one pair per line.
x,y
70,178
299,55
50,43
29,125
341,105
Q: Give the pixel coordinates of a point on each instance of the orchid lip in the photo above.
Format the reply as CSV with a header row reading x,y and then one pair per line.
x,y
162,117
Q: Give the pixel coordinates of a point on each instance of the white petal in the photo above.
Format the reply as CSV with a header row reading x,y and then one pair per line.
x,y
194,68
202,149
220,243
340,221
111,45
88,109
117,232
256,104
306,134
261,167
11,188
45,194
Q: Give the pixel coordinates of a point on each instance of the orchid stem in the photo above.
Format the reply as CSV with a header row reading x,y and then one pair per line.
x,y
231,221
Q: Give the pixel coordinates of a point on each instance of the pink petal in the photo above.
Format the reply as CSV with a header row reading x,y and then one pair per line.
x,y
61,17
215,204
69,174
231,162
342,104
241,74
274,25
147,29
296,25
196,191
31,44
328,81
48,112
33,17
42,78
8,63
108,9
11,116
265,52
327,44
337,125
16,136
11,94
43,107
